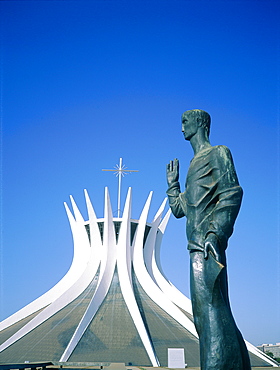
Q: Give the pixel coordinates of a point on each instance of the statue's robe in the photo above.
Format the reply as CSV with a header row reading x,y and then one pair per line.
x,y
211,202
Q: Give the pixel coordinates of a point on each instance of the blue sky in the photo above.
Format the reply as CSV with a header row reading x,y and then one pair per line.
x,y
87,82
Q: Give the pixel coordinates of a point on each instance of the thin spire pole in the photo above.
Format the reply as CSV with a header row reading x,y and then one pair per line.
x,y
120,170
119,190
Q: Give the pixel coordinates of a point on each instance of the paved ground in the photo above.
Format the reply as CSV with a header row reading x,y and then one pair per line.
x,y
123,367
190,368
119,367
94,366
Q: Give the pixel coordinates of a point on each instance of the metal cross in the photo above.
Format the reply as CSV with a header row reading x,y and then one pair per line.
x,y
120,170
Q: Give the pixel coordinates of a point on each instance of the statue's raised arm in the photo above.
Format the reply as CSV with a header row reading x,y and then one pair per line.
x,y
173,192
172,172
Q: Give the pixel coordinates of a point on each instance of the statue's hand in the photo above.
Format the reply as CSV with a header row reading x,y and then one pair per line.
x,y
212,245
172,171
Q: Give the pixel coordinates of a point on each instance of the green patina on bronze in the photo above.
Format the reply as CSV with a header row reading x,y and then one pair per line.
x,y
210,202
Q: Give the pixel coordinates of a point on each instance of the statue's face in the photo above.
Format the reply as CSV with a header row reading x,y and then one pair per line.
x,y
189,126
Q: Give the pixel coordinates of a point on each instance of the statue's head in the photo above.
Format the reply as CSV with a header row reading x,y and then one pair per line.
x,y
192,120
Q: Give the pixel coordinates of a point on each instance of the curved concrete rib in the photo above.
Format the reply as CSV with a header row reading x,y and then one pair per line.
x,y
94,229
145,279
161,230
78,265
165,285
108,262
124,271
259,354
151,240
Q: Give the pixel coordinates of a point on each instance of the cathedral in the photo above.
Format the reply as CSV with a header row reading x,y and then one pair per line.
x,y
114,304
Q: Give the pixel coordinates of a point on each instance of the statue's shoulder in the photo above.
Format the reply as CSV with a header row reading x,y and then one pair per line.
x,y
218,153
221,150
221,153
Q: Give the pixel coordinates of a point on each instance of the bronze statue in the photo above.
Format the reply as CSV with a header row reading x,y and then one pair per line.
x,y
211,202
